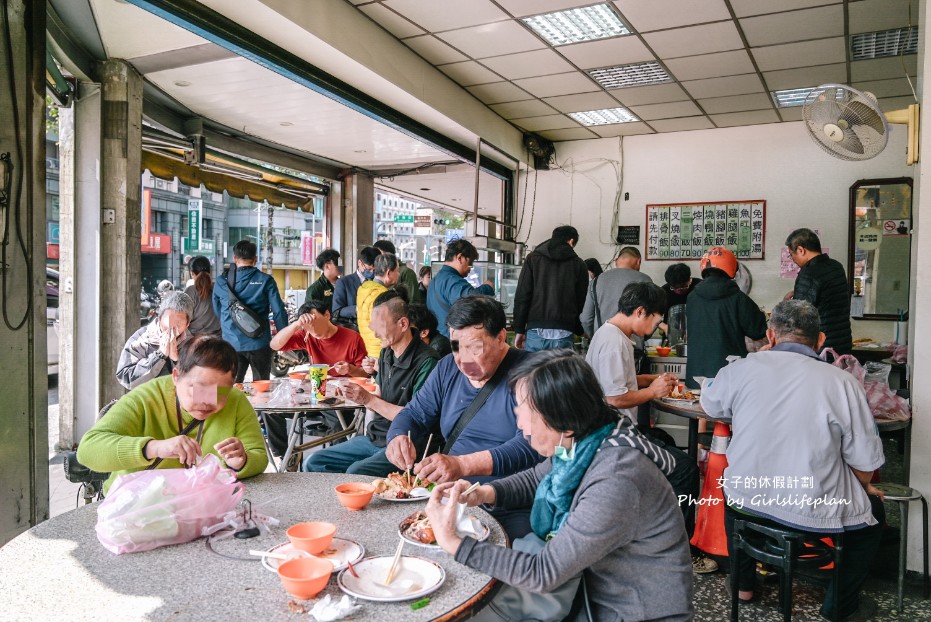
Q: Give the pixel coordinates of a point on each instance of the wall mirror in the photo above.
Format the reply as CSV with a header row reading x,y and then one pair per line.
x,y
880,244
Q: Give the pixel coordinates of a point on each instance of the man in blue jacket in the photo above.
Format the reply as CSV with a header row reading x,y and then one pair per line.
x,y
449,284
259,292
344,292
490,445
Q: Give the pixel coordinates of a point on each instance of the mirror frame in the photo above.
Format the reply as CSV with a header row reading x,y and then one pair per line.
x,y
851,240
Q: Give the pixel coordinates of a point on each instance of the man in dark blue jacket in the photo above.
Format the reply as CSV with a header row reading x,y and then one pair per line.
x,y
490,445
449,284
343,310
259,292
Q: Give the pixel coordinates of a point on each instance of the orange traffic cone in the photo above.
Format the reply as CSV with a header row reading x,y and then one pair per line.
x,y
709,535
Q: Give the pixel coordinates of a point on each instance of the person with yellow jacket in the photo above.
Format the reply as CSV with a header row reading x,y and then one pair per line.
x,y
387,271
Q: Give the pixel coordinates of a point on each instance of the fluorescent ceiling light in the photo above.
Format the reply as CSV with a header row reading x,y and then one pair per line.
x,y
884,43
575,25
624,76
606,116
790,98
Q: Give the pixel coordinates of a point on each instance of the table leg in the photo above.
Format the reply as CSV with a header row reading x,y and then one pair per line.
x,y
693,439
268,449
903,548
292,439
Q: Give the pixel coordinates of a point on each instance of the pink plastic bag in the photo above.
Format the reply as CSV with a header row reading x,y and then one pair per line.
x,y
148,509
884,403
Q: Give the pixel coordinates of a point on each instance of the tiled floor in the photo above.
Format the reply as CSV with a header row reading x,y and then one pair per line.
x,y
711,599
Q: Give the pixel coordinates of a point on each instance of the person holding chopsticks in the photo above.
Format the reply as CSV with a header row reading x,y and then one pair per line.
x,y
601,509
468,398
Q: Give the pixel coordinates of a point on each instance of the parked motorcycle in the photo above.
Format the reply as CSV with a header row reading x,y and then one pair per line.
x,y
284,361
148,305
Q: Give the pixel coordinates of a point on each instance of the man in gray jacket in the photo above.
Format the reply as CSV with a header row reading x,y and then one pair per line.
x,y
605,290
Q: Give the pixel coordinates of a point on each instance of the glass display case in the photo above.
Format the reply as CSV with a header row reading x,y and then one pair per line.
x,y
503,275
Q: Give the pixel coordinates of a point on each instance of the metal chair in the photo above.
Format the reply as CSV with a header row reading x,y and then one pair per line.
x,y
903,495
786,550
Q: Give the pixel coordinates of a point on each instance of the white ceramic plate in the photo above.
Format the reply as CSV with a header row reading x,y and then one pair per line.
x,y
340,551
477,525
414,578
673,400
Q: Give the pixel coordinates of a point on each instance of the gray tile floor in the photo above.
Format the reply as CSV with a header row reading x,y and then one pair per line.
x,y
711,599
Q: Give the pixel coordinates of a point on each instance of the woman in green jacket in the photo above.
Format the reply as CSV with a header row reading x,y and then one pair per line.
x,y
179,417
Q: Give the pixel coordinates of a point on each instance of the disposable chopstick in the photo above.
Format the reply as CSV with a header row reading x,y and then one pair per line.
x,y
407,472
394,563
470,489
426,449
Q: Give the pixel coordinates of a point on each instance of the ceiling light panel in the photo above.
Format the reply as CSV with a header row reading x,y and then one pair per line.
x,y
606,116
624,76
790,98
884,43
576,25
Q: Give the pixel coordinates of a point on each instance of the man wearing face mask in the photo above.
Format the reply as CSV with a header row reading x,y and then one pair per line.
x,y
346,288
467,395
403,367
152,350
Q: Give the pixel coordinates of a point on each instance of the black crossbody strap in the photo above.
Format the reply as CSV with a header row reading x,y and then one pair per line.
x,y
595,300
230,279
469,413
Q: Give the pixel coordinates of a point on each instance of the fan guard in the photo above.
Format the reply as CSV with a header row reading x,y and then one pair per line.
x,y
845,122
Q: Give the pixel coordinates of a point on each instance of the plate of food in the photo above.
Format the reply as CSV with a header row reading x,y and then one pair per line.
x,y
340,551
414,578
416,530
684,396
402,488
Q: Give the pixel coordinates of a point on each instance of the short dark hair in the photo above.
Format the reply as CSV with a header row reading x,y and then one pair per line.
x,y
477,310
207,351
642,294
424,271
594,266
326,257
678,274
245,249
396,302
566,233
385,263
796,320
806,238
461,247
423,318
368,254
630,251
385,246
313,304
563,388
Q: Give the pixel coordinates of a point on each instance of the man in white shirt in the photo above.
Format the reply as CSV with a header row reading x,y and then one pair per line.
x,y
611,351
804,448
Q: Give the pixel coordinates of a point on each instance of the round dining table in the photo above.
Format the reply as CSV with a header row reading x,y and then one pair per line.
x,y
59,570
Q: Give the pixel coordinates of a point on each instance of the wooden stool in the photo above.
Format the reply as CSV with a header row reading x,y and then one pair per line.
x,y
786,550
903,495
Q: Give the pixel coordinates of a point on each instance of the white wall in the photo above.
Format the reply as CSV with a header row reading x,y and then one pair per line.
x,y
803,187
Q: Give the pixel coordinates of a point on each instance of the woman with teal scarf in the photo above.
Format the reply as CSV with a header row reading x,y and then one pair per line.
x,y
601,510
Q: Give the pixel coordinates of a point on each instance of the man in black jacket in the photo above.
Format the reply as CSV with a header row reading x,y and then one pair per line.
x,y
822,282
550,294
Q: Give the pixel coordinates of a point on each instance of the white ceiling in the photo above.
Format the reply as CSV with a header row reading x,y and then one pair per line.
x,y
724,57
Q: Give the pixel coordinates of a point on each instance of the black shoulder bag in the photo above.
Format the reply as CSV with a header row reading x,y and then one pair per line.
x,y
469,413
244,318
